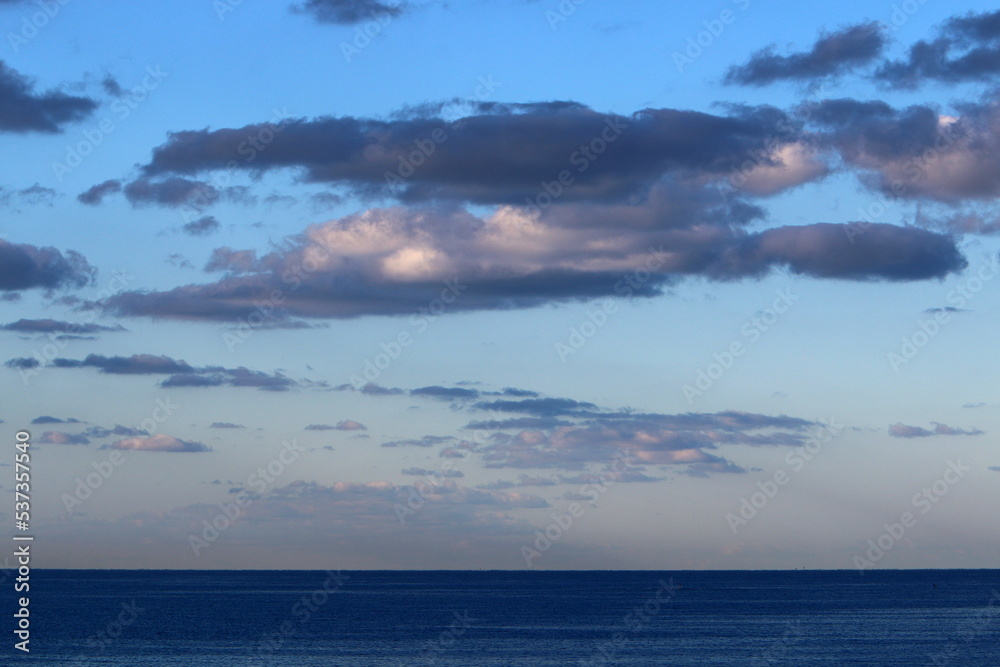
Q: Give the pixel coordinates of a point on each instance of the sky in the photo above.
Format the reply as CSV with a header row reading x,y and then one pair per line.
x,y
502,284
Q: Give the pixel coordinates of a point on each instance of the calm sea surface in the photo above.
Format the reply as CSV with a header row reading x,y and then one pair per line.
x,y
305,619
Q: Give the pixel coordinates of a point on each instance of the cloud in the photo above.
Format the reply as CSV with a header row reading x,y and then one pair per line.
x,y
344,425
181,373
137,364
23,110
60,438
399,261
425,441
203,226
348,12
967,48
584,435
831,55
46,419
23,363
118,430
423,472
95,195
916,152
900,430
226,425
350,425
446,393
57,326
498,154
176,192
227,259
517,423
158,443
30,196
545,407
233,377
369,523
25,266
994,468
644,439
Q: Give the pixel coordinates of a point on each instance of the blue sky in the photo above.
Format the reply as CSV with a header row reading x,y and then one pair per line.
x,y
646,286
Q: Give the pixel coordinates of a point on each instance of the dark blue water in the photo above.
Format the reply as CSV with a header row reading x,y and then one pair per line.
x,y
306,619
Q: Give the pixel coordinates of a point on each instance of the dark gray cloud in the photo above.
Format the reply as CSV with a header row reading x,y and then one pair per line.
x,y
499,154
172,191
900,430
517,423
871,252
30,196
347,12
917,152
423,472
57,326
24,266
832,54
137,364
203,226
23,363
181,373
544,407
967,48
233,377
47,419
446,393
24,110
117,430
96,194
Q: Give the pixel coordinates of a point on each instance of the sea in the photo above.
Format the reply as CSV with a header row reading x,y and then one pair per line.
x,y
133,618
